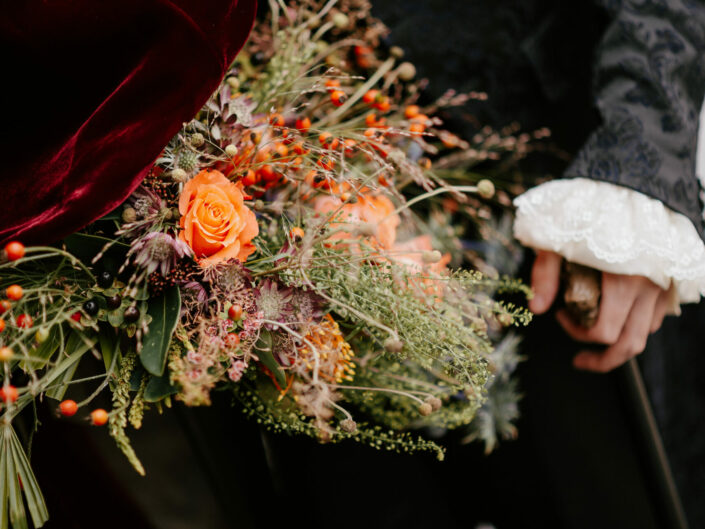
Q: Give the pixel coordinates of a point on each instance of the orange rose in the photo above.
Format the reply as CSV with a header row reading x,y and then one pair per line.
x,y
376,210
215,221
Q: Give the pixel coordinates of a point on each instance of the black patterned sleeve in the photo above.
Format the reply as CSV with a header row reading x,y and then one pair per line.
x,y
649,86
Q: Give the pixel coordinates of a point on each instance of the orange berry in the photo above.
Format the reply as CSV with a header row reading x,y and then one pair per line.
x,y
68,407
281,150
416,128
14,250
449,140
267,173
14,292
6,354
303,124
235,312
324,137
382,104
383,181
371,119
332,83
277,120
99,417
370,133
411,111
2,325
250,178
349,144
370,96
8,393
296,163
300,149
425,162
421,118
338,97
24,321
326,163
296,234
5,305
262,155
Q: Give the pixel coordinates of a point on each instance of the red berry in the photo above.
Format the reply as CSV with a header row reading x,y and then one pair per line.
x,y
383,104
14,250
2,325
5,305
250,178
24,321
370,96
14,292
338,97
68,408
235,312
8,393
76,316
303,124
99,417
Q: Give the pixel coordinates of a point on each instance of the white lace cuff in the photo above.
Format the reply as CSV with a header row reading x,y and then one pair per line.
x,y
614,229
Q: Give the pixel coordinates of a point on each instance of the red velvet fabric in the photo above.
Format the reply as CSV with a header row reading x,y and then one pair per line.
x,y
93,91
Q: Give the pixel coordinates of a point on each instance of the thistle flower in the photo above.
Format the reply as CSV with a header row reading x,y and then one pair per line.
x,y
307,305
274,302
158,251
146,202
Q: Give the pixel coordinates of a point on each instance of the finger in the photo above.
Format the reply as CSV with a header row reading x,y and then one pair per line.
x,y
631,342
660,311
618,296
545,280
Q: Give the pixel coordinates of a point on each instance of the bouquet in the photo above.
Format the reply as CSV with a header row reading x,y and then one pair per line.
x,y
293,244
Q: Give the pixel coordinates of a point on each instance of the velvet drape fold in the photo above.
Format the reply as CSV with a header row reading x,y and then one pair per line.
x,y
93,91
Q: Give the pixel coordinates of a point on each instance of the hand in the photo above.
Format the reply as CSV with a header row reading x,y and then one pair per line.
x,y
631,307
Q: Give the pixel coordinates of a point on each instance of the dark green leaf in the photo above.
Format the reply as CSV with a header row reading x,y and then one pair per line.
x,y
164,311
86,247
158,388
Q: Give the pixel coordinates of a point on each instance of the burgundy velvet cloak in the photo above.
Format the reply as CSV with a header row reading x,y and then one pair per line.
x,y
92,92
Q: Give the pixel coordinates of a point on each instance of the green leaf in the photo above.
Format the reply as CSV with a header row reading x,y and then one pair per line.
x,y
158,388
109,345
264,352
164,311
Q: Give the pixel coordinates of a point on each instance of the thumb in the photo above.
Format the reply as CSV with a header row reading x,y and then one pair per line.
x,y
545,280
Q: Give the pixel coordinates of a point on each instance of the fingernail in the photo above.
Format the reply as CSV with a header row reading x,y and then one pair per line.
x,y
537,303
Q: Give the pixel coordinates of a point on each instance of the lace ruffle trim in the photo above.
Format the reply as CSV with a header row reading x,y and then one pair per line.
x,y
614,229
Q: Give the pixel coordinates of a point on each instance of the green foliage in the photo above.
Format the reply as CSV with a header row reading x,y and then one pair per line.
x,y
279,417
16,478
118,416
165,311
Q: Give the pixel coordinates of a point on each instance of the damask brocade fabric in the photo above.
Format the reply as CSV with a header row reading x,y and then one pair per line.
x,y
93,91
649,86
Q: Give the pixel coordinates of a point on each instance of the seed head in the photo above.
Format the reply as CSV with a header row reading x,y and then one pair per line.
x,y
485,188
425,409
